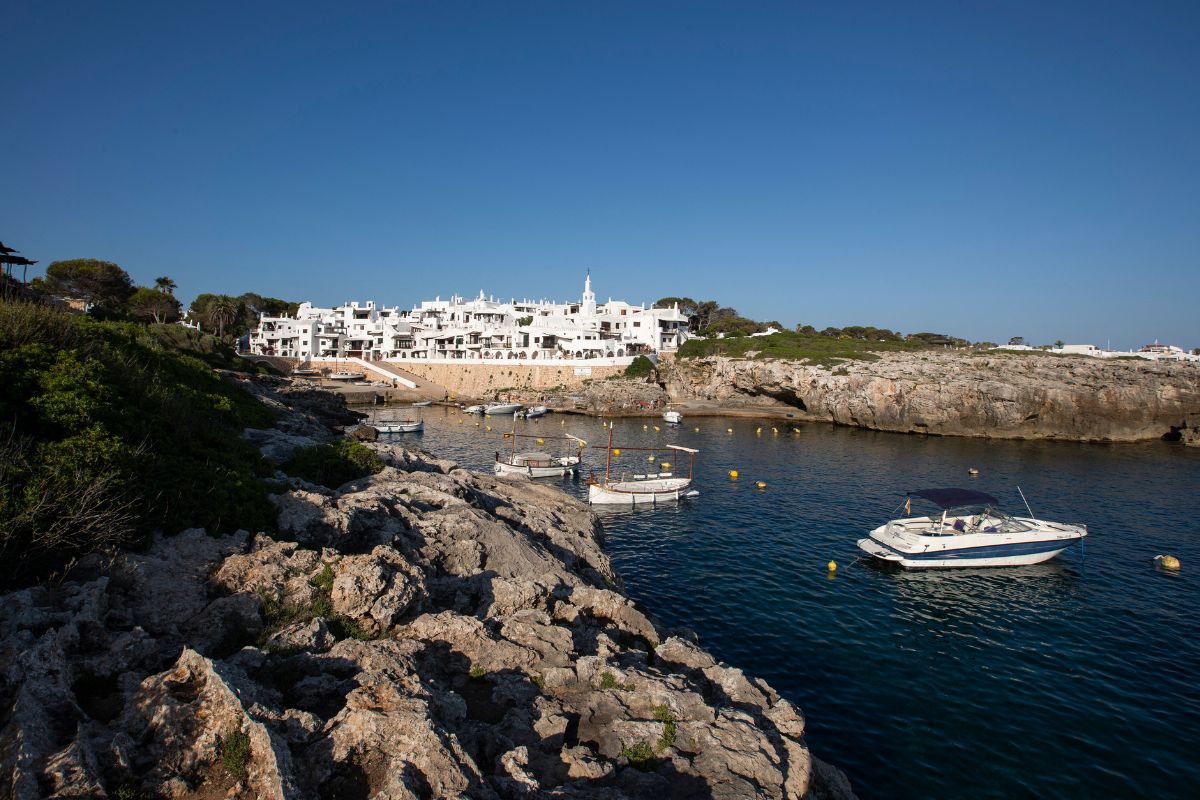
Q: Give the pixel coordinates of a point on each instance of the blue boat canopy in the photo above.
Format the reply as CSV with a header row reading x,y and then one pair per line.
x,y
952,498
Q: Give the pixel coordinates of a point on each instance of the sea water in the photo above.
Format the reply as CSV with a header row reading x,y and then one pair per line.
x,y
1079,677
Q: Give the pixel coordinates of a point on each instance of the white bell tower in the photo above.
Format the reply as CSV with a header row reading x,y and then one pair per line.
x,y
589,297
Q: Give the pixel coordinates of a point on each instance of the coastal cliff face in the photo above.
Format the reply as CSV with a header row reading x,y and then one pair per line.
x,y
421,632
952,393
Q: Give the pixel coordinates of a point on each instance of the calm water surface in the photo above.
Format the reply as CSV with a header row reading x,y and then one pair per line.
x,y
1075,678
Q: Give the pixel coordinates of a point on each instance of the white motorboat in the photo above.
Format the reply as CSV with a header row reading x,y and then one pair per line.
x,y
496,409
970,531
649,488
673,417
422,403
473,410
531,413
538,464
400,426
345,376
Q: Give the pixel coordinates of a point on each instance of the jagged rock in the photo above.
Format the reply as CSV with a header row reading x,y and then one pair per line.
x,y
275,445
364,433
375,590
313,636
503,660
956,393
179,719
168,585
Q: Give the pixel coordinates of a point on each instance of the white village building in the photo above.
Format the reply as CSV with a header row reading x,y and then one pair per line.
x,y
482,329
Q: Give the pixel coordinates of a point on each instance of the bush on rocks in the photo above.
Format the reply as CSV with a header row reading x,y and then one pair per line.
x,y
334,464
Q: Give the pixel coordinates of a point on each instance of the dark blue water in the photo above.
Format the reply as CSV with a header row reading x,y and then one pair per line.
x,y
1079,677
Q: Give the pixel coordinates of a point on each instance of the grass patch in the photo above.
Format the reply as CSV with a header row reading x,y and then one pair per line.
x,y
477,673
235,753
334,464
324,580
819,350
668,719
609,681
639,756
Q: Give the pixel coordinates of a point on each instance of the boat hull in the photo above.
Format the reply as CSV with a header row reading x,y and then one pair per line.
x,y
553,471
636,493
500,409
401,427
1042,541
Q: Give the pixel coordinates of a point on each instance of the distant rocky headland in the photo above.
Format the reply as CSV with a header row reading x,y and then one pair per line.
x,y
422,631
957,393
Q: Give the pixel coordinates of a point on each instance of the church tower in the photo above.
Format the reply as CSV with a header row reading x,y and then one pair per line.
x,y
589,297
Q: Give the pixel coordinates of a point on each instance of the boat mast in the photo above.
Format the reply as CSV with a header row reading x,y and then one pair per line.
x,y
608,462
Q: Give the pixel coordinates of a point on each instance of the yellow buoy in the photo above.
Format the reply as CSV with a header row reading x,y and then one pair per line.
x,y
657,428
616,451
645,427
758,431
832,566
582,445
972,471
761,484
1168,562
650,458
729,430
488,427
775,430
562,422
540,440
733,474
795,430
665,464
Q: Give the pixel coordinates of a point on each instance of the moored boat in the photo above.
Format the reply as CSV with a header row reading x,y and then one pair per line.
x,y
496,409
345,376
673,417
531,413
650,488
401,426
539,464
422,403
970,531
473,410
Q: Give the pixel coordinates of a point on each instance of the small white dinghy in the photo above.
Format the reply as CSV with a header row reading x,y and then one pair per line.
x,y
531,413
401,426
422,403
970,531
672,417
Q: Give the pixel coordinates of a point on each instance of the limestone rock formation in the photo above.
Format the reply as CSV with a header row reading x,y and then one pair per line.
x,y
960,394
428,633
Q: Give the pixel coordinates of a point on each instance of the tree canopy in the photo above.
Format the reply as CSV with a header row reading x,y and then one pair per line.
x,y
154,305
99,283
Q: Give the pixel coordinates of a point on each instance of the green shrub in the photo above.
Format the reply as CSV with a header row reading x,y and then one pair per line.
x,y
107,435
639,756
325,579
640,367
667,718
477,673
609,681
814,348
235,753
332,464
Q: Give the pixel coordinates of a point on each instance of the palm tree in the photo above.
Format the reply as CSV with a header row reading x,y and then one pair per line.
x,y
165,284
224,310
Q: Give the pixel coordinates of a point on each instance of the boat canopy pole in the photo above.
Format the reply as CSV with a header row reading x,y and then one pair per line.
x,y
1027,508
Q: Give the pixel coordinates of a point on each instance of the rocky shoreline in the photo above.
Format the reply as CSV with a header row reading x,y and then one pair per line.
x,y
955,394
421,632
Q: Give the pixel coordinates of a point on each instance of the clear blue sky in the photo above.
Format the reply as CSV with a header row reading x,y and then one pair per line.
x,y
986,169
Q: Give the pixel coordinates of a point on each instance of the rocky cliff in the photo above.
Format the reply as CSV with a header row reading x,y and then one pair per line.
x,y
422,632
953,393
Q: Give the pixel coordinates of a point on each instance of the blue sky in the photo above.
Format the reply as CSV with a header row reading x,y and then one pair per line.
x,y
986,169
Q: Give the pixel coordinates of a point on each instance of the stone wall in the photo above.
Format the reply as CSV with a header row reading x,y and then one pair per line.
x,y
484,381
